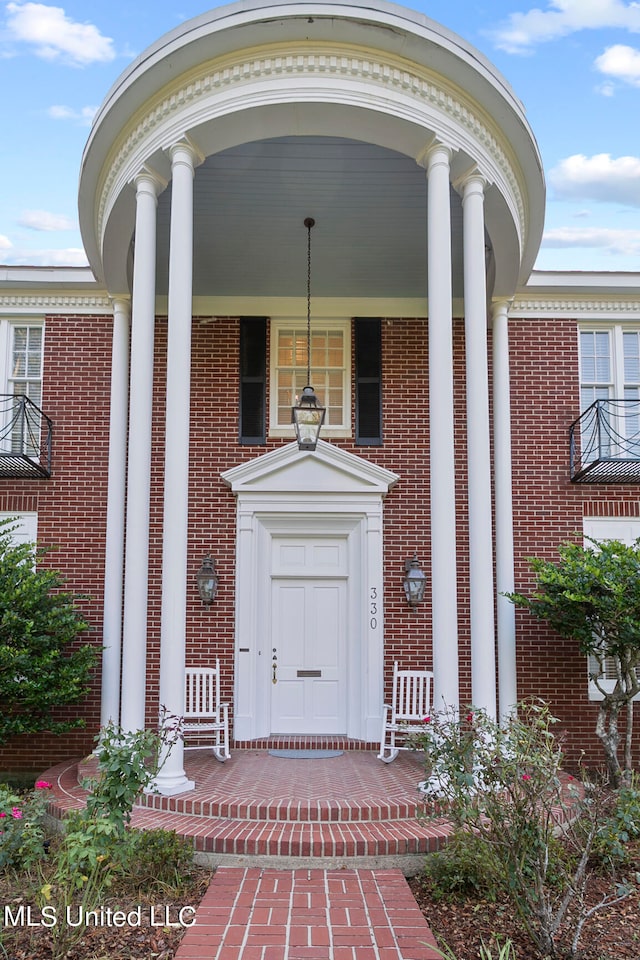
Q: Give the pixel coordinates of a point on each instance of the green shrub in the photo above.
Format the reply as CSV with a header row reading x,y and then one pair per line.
x,y
157,858
21,825
621,827
465,867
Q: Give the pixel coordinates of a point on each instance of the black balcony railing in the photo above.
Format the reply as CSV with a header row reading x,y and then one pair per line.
x,y
604,443
25,439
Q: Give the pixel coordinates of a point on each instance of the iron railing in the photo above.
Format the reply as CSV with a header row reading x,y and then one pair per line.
x,y
604,443
25,438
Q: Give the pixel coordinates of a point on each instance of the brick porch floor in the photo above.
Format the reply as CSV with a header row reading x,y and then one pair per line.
x,y
310,853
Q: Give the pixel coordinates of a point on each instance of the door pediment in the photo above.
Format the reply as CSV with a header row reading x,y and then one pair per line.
x,y
328,469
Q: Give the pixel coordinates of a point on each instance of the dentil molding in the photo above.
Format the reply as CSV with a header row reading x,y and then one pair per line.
x,y
193,95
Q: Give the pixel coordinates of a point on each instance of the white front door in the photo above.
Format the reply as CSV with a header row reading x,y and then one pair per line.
x,y
308,656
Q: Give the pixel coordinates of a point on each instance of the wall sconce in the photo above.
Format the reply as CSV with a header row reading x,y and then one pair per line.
x,y
207,580
414,582
306,415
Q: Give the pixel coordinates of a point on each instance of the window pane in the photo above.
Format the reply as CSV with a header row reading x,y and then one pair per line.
x,y
631,347
595,357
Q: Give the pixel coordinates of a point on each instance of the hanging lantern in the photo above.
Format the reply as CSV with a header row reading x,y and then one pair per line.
x,y
307,415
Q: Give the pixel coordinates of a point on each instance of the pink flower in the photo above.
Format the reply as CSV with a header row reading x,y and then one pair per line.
x,y
16,813
2,813
427,720
526,776
42,785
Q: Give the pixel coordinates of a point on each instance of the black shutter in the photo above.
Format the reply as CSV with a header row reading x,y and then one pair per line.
x,y
368,369
253,380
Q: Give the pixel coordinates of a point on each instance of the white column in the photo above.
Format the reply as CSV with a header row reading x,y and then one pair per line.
x,y
481,597
507,679
172,778
114,547
134,639
441,432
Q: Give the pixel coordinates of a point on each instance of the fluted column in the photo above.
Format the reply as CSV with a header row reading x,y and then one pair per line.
x,y
481,596
116,486
507,678
134,646
441,430
172,778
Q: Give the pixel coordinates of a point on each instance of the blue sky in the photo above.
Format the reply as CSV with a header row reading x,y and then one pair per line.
x,y
575,64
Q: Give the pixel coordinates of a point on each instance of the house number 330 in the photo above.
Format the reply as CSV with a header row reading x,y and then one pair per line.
x,y
373,608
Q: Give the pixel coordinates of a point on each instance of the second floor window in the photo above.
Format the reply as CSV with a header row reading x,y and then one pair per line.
x,y
330,366
23,378
610,372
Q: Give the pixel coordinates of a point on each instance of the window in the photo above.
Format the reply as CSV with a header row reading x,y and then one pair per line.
x,y
26,526
330,369
23,343
627,530
610,372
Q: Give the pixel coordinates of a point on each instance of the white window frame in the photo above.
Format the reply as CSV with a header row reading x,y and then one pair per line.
x,y
627,426
7,327
343,324
26,526
615,332
627,530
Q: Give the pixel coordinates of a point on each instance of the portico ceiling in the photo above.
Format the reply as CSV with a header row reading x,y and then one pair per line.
x,y
369,204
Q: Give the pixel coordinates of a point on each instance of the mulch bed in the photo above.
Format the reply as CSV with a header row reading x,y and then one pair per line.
x,y
610,934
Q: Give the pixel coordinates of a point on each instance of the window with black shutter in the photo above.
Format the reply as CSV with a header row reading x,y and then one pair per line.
x,y
368,370
253,380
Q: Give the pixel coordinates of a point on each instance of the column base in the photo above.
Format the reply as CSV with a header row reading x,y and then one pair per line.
x,y
170,786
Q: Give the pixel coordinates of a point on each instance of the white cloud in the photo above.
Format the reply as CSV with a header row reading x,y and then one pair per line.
x,y
5,243
84,116
71,257
54,36
43,220
522,31
602,177
614,242
620,62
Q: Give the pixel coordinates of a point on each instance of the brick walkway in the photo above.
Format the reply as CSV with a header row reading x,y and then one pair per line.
x,y
254,914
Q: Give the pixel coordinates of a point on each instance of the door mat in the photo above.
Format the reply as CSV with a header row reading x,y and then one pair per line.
x,y
305,754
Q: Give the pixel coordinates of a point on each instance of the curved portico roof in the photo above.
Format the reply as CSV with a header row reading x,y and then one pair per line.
x,y
311,108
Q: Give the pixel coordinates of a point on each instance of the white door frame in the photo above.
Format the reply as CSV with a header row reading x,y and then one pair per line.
x,y
288,492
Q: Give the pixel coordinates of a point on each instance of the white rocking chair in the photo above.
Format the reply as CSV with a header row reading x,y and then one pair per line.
x,y
205,718
411,703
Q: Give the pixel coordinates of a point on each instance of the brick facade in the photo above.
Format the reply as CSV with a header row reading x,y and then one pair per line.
x,y
71,505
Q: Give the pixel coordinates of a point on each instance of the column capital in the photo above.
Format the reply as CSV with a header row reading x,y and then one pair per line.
x,y
121,304
185,150
470,182
149,181
435,152
500,307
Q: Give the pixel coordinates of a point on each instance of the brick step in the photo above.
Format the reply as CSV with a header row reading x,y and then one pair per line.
x,y
322,810
246,838
255,809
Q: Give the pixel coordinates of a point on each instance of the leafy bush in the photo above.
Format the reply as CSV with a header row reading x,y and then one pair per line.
x,y
464,868
621,826
41,667
505,784
157,858
22,838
